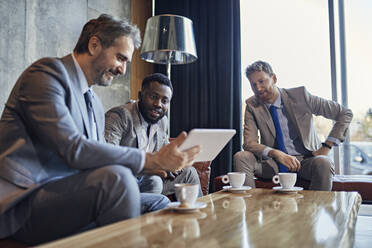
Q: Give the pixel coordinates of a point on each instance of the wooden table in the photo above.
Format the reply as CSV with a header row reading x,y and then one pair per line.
x,y
257,218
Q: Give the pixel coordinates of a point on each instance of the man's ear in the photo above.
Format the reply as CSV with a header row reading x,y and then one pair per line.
x,y
274,78
139,95
94,45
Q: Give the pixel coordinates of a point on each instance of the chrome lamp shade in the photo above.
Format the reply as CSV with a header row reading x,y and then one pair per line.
x,y
169,39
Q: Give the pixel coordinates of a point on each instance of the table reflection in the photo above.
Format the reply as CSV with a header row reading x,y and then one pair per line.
x,y
236,204
258,218
186,225
287,203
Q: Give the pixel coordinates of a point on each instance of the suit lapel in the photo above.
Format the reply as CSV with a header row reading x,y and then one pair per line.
x,y
137,123
159,138
289,106
265,116
98,113
269,122
77,91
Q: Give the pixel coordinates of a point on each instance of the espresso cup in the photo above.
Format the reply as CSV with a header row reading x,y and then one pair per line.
x,y
236,179
187,194
286,180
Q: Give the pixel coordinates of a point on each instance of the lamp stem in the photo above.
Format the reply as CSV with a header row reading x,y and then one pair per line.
x,y
169,70
169,77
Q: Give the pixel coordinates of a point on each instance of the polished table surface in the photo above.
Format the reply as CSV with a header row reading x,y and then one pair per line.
x,y
257,218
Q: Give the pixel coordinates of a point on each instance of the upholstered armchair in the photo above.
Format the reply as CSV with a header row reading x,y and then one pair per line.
x,y
204,171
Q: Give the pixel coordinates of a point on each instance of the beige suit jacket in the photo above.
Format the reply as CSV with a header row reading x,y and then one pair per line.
x,y
123,127
301,106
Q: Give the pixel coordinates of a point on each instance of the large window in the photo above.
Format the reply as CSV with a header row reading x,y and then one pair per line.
x,y
358,40
293,36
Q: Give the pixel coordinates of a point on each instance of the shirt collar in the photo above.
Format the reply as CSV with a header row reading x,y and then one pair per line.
x,y
82,79
277,103
143,122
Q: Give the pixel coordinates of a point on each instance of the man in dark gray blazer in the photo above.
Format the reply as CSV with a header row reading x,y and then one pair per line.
x,y
303,152
144,125
57,173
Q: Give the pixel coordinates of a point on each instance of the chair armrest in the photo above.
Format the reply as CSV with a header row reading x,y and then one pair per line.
x,y
204,172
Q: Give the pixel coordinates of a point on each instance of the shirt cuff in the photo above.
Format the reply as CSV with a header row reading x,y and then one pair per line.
x,y
143,160
333,140
265,152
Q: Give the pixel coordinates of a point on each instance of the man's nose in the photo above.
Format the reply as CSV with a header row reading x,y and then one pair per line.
x,y
157,102
258,87
122,68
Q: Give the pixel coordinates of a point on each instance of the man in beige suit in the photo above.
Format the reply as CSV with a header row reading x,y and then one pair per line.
x,y
301,150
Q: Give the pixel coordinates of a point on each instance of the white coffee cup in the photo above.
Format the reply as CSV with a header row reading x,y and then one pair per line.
x,y
286,180
187,194
236,179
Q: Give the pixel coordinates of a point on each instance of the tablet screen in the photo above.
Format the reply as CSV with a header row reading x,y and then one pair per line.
x,y
211,142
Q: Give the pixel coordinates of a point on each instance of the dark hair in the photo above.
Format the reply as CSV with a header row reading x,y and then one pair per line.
x,y
107,28
259,66
156,77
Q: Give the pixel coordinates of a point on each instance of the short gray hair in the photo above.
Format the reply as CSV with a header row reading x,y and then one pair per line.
x,y
259,66
107,28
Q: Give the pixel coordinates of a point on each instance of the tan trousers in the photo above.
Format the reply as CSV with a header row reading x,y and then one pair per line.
x,y
319,170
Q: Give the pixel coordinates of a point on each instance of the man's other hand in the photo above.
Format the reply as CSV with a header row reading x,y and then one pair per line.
x,y
170,158
291,162
322,151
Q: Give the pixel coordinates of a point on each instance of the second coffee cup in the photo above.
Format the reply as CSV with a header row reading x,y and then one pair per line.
x,y
236,179
187,194
286,180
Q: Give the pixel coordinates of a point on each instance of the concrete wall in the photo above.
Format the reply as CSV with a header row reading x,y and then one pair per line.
x,y
32,29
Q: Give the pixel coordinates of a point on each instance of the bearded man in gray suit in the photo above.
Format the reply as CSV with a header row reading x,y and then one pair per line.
x,y
299,150
58,176
144,125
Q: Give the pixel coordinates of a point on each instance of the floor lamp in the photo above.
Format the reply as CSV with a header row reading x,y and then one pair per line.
x,y
169,40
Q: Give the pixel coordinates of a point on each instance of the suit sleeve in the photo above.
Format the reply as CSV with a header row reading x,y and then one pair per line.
x,y
45,95
116,125
250,134
331,110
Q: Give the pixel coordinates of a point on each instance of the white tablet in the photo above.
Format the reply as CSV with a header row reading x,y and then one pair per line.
x,y
211,142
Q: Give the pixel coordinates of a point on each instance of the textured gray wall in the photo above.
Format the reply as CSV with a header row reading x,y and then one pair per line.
x,y
32,29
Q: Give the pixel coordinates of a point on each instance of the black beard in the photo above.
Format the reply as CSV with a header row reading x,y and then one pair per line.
x,y
151,121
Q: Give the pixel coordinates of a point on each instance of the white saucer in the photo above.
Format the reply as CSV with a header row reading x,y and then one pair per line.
x,y
236,190
289,190
176,206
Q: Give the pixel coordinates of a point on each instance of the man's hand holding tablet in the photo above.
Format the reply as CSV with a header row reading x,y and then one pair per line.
x,y
171,157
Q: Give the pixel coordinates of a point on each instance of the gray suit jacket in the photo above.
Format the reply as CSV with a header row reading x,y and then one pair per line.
x,y
301,106
44,136
123,126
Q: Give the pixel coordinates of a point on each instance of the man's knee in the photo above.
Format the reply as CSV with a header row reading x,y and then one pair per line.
x,y
116,175
244,160
116,181
153,202
191,175
323,166
151,184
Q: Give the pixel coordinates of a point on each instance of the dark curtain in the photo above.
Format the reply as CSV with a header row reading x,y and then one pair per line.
x,y
207,93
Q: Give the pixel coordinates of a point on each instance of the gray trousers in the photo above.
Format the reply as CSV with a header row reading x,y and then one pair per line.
x,y
154,184
88,199
319,170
